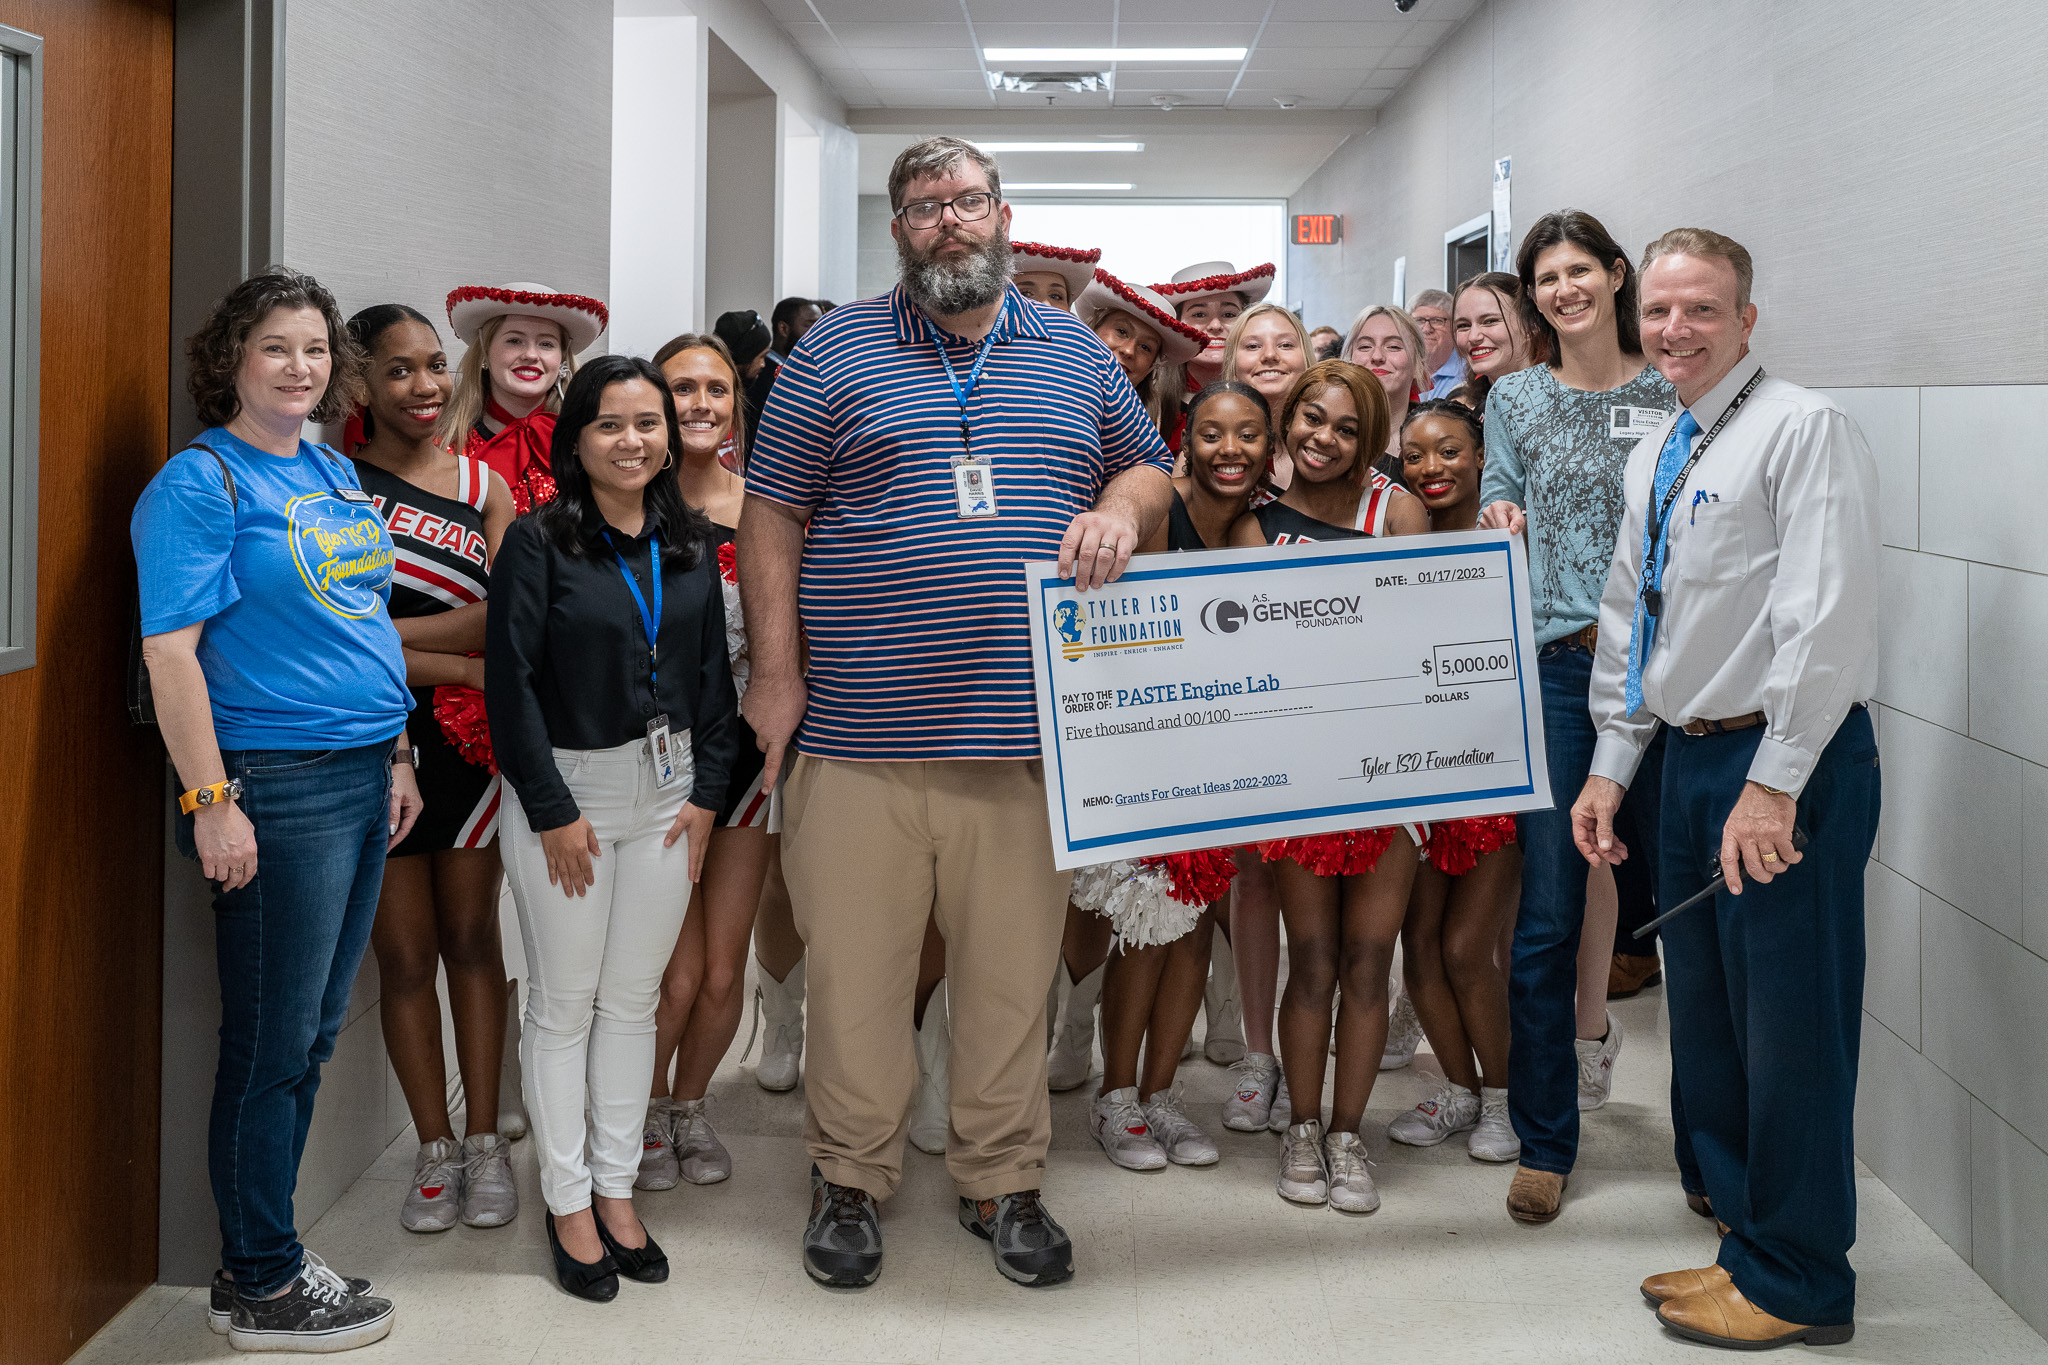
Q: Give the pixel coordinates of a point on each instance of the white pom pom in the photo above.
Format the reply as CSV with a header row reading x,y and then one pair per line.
x,y
1137,900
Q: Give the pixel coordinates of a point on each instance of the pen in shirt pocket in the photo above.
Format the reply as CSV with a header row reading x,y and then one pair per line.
x,y
1699,496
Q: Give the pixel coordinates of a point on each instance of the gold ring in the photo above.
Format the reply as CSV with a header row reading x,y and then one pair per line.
x,y
1770,857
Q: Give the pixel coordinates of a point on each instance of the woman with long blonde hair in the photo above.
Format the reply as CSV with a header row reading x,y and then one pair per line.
x,y
1385,340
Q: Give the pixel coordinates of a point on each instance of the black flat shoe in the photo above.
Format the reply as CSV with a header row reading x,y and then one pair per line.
x,y
646,1264
597,1281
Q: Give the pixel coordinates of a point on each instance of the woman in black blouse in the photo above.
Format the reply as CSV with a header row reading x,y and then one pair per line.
x,y
612,715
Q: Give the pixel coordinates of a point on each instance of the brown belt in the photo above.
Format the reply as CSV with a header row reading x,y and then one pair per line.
x,y
1722,727
1586,638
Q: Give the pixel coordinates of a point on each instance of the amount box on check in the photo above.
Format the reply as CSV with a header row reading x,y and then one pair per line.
x,y
1478,661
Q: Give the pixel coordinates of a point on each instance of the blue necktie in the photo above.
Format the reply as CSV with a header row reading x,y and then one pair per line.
x,y
1643,632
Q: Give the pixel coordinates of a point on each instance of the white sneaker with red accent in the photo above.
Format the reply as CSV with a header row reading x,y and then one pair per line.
x,y
1452,1109
1118,1123
1254,1081
433,1202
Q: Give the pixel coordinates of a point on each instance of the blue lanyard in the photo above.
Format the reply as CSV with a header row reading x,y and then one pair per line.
x,y
961,395
650,621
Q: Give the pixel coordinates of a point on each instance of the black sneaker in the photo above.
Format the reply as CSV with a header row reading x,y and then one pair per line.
x,y
1030,1247
843,1239
318,1313
221,1303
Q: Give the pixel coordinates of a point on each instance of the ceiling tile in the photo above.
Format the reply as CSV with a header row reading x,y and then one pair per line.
x,y
1048,11
1353,33
1317,58
1008,33
836,12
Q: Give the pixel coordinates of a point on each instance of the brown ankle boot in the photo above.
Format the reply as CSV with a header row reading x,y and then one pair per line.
x,y
1676,1284
1535,1196
1721,1316
1628,974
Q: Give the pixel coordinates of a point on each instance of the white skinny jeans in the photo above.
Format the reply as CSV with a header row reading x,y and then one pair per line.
x,y
594,966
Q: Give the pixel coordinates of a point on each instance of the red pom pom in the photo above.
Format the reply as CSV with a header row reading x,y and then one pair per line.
x,y
460,712
1456,846
1350,853
1199,877
729,562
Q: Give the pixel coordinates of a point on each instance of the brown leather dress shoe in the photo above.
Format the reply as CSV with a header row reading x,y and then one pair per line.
x,y
1535,1195
1721,1316
1627,974
1676,1284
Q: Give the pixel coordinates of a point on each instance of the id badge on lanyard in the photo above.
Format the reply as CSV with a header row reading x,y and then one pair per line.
x,y
660,744
974,478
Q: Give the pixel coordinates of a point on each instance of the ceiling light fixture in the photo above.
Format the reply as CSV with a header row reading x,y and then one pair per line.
x,y
1068,185
1081,56
1061,146
1025,82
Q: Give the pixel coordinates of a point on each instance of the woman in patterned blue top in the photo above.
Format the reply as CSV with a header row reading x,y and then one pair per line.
x,y
1558,437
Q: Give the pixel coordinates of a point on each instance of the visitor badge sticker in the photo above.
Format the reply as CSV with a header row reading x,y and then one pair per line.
x,y
1238,695
1629,423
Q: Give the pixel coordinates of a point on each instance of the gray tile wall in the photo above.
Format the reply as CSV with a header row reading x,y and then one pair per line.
x,y
1952,1112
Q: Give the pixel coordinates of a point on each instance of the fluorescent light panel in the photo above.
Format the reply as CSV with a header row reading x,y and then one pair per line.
x,y
1061,146
1067,185
1082,55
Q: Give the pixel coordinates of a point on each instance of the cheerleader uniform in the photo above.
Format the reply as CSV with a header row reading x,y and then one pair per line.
x,y
519,453
747,806
1346,853
442,565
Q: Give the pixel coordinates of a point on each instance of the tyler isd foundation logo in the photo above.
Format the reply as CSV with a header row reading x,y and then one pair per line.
x,y
1066,619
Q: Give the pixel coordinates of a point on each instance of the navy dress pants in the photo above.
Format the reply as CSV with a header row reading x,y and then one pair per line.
x,y
1766,994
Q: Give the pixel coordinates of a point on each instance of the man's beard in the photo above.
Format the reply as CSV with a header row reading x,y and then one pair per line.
x,y
958,284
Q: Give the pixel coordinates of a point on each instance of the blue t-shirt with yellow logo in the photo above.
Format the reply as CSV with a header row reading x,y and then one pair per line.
x,y
291,579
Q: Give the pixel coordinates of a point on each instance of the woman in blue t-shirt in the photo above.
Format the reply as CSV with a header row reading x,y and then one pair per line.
x,y
280,689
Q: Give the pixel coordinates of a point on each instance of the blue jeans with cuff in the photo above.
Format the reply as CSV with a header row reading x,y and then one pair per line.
x,y
1543,977
287,945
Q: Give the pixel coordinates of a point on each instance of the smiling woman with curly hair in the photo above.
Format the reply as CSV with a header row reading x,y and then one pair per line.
x,y
279,682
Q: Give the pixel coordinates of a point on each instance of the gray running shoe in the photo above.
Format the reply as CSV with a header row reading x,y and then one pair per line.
x,y
1351,1187
1254,1083
1452,1109
489,1198
1030,1247
434,1199
843,1239
659,1169
220,1304
1185,1144
1281,1116
1304,1175
1404,1030
701,1157
317,1313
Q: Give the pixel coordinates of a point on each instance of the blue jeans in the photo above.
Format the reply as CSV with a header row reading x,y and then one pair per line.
x,y
1543,978
1766,997
287,945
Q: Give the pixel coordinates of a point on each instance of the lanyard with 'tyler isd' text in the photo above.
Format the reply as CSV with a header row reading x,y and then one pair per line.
x,y
1653,600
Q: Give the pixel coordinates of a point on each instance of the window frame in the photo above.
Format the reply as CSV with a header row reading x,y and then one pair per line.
x,y
21,210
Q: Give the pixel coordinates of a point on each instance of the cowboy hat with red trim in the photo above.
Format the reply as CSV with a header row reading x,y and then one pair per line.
x,y
1178,342
1072,263
582,319
1212,278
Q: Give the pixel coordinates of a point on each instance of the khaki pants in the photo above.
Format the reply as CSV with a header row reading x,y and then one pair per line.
x,y
869,851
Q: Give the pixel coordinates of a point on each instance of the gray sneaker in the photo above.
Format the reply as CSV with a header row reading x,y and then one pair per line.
x,y
843,1238
434,1199
1030,1247
659,1169
489,1198
701,1157
1452,1109
220,1303
317,1313
1304,1174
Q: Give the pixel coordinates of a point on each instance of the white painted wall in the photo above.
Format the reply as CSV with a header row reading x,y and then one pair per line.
x,y
796,266
657,254
1864,153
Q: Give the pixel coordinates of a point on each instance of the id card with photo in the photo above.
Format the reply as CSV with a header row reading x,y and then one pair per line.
x,y
661,747
1626,423
974,489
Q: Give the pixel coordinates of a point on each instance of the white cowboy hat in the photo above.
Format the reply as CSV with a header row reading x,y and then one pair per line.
x,y
583,319
1207,279
1073,264
1178,342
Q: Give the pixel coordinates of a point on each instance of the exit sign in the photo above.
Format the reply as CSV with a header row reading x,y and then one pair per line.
x,y
1318,229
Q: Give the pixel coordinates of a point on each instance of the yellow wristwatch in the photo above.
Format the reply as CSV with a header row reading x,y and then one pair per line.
x,y
230,790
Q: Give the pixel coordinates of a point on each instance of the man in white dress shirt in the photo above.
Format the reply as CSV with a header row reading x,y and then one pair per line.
x,y
1741,612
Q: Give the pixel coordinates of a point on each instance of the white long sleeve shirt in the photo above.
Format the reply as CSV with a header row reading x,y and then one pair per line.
x,y
1770,583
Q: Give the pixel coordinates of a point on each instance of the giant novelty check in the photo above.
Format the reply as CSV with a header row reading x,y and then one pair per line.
x,y
1215,699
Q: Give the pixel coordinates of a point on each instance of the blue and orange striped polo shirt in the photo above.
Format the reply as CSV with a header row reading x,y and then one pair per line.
x,y
919,637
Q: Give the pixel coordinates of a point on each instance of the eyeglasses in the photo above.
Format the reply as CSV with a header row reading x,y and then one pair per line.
x,y
967,208
1431,323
